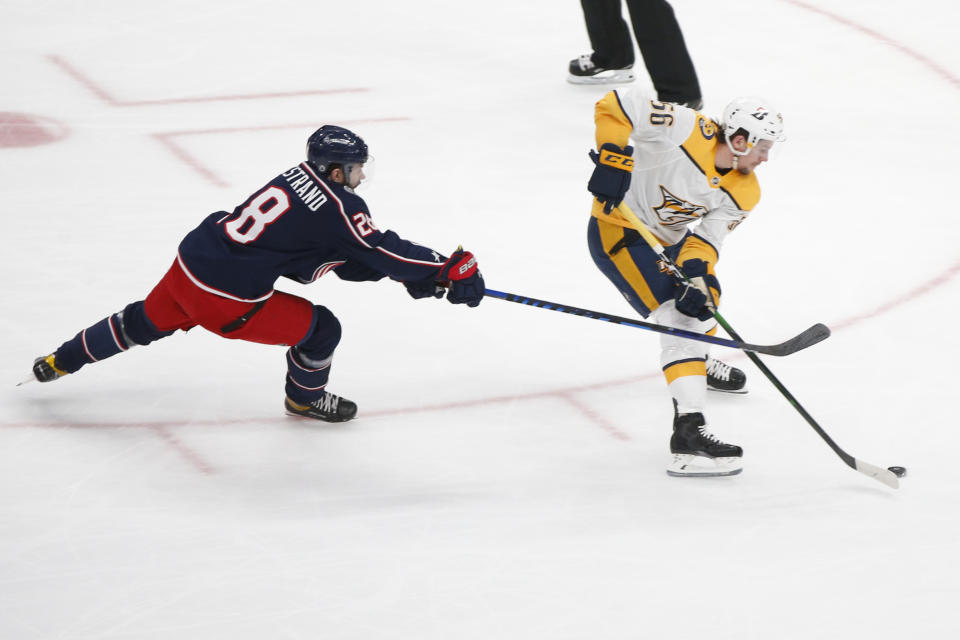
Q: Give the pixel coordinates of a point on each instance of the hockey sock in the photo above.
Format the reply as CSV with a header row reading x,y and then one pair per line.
x,y
306,377
110,336
308,363
687,382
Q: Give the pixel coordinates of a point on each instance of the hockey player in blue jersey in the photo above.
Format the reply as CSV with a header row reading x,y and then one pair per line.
x,y
304,223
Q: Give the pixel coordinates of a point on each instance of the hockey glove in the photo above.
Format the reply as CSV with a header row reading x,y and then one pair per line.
x,y
697,298
611,176
466,283
424,289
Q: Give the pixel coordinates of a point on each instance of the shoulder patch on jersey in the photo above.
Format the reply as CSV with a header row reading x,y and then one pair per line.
x,y
700,146
707,129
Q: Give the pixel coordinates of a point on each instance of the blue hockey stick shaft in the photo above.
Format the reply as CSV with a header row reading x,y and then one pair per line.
x,y
811,336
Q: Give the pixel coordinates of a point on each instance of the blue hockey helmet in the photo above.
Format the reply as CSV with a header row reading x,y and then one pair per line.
x,y
332,145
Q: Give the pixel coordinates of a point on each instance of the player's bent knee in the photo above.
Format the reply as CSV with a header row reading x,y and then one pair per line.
x,y
324,337
137,328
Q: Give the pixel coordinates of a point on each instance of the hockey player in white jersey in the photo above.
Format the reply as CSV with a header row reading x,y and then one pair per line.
x,y
690,180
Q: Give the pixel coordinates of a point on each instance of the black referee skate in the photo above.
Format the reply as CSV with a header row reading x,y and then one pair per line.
x,y
45,369
697,452
722,377
329,408
582,70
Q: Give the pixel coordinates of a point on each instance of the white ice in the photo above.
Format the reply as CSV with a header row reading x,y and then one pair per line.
x,y
505,478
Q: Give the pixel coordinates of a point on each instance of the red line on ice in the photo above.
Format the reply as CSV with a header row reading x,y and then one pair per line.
x,y
102,93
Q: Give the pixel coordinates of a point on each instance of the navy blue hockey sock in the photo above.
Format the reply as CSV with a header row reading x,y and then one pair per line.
x,y
308,363
110,336
306,382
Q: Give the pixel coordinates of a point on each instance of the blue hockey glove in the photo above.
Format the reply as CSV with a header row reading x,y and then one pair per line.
x,y
611,176
466,283
424,289
697,297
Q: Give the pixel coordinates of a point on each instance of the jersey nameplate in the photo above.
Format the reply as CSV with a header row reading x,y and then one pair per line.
x,y
304,186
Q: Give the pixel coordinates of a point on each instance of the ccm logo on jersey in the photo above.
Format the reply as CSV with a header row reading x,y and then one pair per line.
x,y
364,224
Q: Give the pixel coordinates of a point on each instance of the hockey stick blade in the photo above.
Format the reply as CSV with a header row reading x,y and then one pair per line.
x,y
817,333
885,476
805,339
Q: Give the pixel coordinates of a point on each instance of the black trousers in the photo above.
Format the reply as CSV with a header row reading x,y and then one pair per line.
x,y
658,37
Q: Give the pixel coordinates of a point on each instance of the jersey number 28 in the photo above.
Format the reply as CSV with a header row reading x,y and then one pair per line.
x,y
265,208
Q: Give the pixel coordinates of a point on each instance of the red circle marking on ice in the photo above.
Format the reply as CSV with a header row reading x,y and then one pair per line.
x,y
25,130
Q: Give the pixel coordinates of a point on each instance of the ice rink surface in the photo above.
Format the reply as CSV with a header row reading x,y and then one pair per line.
x,y
505,477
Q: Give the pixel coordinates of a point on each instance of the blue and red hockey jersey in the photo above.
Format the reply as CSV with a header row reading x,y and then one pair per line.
x,y
299,226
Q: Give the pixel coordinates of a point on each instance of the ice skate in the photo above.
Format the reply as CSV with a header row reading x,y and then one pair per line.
x,y
329,408
46,370
583,71
723,377
697,452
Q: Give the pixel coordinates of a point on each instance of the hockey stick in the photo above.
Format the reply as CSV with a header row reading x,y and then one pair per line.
x,y
886,476
807,338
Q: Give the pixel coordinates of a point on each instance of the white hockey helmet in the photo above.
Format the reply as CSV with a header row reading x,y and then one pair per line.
x,y
755,116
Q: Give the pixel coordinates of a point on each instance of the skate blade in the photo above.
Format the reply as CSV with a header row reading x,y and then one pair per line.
x,y
619,77
686,465
742,391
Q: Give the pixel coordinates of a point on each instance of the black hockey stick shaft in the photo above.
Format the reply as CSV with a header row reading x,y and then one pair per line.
x,y
883,475
803,340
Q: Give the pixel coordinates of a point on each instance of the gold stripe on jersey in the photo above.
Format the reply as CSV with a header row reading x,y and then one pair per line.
x,y
617,218
611,234
683,368
700,146
613,123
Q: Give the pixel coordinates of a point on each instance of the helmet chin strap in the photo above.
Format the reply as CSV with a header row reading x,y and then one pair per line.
x,y
736,154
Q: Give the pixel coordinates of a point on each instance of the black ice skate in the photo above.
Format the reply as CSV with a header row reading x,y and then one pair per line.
x,y
329,408
722,377
46,370
697,452
584,71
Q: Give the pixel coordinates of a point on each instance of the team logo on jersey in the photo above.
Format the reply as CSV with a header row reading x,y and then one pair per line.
x,y
677,212
707,128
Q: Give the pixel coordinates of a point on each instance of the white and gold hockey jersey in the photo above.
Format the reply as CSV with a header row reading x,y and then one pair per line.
x,y
674,183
